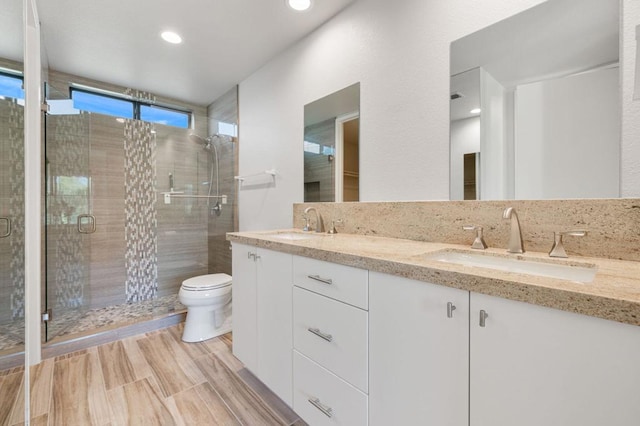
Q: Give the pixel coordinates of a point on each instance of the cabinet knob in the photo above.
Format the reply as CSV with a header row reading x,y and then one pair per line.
x,y
450,308
483,316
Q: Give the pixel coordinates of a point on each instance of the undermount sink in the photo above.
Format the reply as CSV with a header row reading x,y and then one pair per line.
x,y
294,236
576,273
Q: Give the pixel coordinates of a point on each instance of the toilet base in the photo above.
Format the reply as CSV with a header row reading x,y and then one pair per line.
x,y
200,324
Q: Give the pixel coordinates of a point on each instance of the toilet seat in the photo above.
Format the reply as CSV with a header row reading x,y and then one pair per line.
x,y
206,282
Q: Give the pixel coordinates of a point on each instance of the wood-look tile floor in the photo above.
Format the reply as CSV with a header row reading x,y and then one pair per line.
x,y
149,379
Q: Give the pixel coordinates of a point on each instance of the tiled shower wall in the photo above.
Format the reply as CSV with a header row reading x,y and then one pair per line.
x,y
137,235
318,168
12,207
225,110
68,251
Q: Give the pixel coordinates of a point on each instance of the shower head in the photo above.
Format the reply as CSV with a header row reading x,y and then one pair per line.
x,y
200,140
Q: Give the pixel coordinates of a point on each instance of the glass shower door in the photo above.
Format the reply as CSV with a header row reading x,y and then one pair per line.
x,y
11,226
69,220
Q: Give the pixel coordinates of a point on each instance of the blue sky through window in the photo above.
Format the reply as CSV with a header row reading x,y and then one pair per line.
x,y
164,116
102,104
11,87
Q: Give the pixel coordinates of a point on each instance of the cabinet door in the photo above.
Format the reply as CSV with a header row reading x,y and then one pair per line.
x,y
275,327
418,355
533,366
244,302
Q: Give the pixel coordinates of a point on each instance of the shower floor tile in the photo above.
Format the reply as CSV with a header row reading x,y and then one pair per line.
x,y
74,323
12,337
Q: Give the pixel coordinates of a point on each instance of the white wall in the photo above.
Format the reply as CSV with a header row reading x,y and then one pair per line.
x,y
493,157
465,139
399,51
554,157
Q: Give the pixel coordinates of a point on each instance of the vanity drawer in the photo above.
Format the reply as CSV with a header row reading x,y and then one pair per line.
x,y
333,334
322,398
340,282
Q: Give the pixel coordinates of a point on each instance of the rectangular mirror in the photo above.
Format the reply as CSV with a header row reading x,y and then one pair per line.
x,y
331,146
538,96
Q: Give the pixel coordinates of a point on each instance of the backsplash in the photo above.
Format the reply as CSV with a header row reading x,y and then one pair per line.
x,y
613,225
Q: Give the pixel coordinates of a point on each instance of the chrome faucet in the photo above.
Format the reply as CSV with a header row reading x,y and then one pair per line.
x,y
515,238
319,224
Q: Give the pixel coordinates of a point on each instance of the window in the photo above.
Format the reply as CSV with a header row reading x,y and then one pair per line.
x,y
102,104
167,116
316,148
311,147
11,86
129,108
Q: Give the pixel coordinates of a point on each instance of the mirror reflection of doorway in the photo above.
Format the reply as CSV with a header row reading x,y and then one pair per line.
x,y
471,168
347,146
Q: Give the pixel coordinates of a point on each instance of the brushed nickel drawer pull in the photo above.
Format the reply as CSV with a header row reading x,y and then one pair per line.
x,y
320,334
450,308
327,411
322,280
483,316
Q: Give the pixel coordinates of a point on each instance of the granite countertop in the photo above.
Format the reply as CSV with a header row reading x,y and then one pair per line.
x,y
614,294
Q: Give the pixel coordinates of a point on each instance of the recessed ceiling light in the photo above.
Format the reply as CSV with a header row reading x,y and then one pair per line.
x,y
475,111
171,37
299,5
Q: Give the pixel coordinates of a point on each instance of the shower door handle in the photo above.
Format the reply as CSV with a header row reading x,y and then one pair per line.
x,y
7,227
91,228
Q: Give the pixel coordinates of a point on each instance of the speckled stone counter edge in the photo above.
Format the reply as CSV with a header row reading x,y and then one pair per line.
x,y
614,294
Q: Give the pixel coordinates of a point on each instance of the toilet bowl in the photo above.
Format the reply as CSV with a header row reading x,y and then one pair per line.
x,y
208,302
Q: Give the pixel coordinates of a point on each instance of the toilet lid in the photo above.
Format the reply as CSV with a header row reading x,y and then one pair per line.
x,y
206,282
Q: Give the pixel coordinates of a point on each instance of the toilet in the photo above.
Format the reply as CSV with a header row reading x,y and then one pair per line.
x,y
208,302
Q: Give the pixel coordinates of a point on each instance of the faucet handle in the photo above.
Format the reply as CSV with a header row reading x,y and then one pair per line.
x,y
332,230
306,227
558,248
478,243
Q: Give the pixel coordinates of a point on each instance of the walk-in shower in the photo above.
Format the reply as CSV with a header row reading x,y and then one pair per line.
x,y
12,215
115,252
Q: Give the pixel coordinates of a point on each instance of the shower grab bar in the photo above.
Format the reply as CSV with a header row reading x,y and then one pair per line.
x,y
91,223
8,227
169,195
181,195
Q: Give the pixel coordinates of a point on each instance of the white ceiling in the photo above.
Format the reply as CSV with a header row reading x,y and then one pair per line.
x,y
11,34
118,41
466,84
555,38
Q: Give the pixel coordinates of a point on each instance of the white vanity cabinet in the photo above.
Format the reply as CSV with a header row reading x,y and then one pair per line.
x,y
418,353
262,316
347,346
532,366
330,340
244,300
